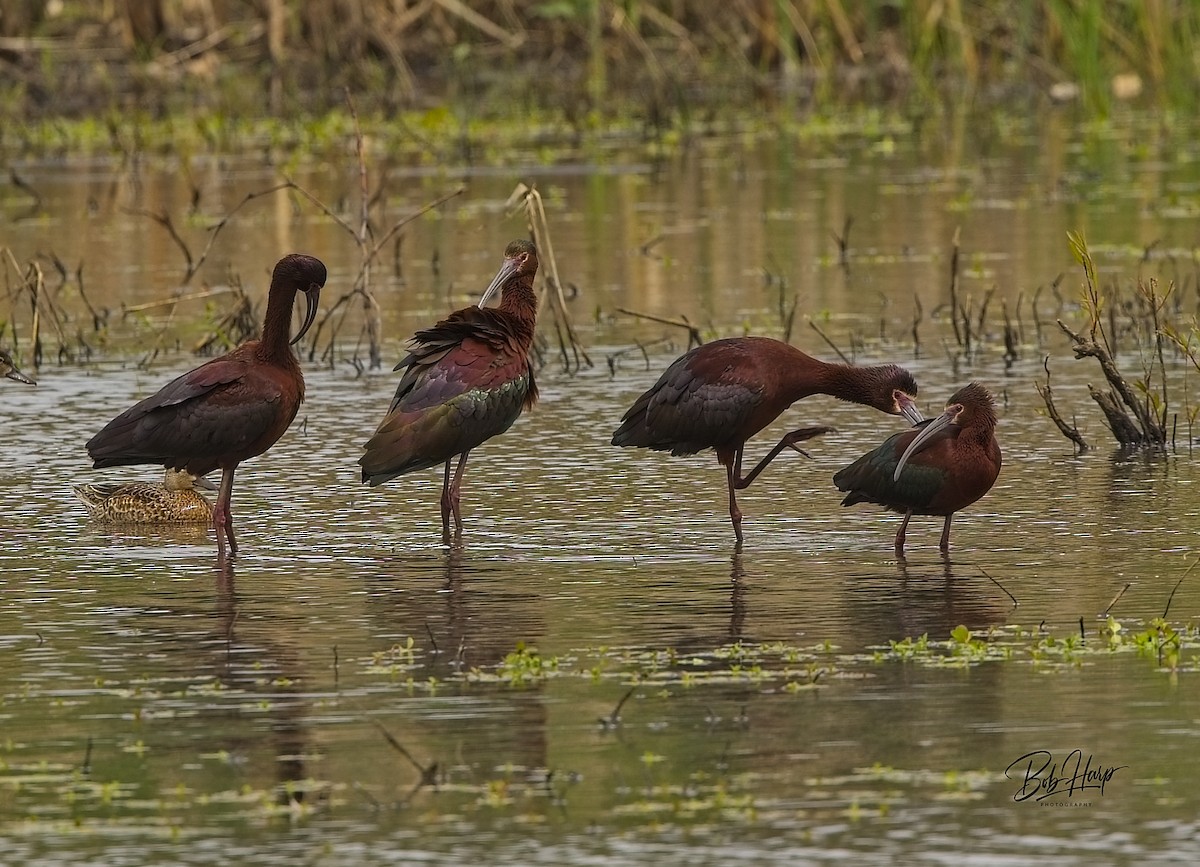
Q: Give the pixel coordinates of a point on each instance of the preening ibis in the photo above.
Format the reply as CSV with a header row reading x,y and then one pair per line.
x,y
466,380
721,394
228,410
936,469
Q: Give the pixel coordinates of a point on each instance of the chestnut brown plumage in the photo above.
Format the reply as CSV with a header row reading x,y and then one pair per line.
x,y
227,410
942,466
466,380
721,394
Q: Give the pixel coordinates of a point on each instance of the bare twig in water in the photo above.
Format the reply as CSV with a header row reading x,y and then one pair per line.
x,y
954,286
1116,599
369,253
843,243
918,315
817,328
694,338
428,773
1001,586
614,357
21,184
1171,598
1069,431
614,719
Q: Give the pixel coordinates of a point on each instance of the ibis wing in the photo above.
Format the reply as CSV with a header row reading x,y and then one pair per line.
x,y
449,400
686,413
869,479
191,420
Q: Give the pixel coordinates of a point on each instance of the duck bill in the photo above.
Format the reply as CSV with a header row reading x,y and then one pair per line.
x,y
203,483
312,296
506,270
930,430
908,409
16,375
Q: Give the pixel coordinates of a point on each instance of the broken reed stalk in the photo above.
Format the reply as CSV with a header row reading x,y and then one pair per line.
x,y
843,243
918,316
1150,424
1010,336
194,263
954,286
34,282
369,256
694,338
641,347
65,278
1124,429
530,200
817,328
1069,431
41,305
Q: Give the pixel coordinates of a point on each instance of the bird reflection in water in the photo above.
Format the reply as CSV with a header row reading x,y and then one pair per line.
x,y
241,668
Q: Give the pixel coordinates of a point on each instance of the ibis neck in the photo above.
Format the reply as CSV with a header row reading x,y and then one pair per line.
x,y
843,381
520,302
277,324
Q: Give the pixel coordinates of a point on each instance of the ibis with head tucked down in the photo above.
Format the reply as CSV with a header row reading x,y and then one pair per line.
x,y
942,466
228,410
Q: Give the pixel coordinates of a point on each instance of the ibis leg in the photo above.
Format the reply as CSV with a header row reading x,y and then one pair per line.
x,y
735,514
944,544
788,441
222,518
900,534
445,503
455,495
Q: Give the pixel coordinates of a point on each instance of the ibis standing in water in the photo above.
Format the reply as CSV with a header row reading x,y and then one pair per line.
x,y
228,410
936,469
466,380
720,394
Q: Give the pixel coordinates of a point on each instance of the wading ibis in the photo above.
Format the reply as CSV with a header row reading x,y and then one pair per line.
x,y
936,469
466,380
720,394
228,410
9,370
175,501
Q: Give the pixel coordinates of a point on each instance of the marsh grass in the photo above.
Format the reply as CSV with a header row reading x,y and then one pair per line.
x,y
663,62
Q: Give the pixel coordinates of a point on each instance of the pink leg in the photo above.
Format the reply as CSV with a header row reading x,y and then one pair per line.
x,y
445,503
788,441
222,517
456,493
900,535
944,545
735,514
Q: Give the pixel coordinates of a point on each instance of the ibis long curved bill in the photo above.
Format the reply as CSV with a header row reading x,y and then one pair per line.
x,y
908,406
508,268
312,297
931,429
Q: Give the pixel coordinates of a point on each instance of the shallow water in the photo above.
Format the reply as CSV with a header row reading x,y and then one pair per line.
x,y
157,707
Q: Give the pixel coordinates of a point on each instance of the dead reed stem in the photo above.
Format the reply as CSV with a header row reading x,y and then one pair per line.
x,y
530,200
817,328
694,338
